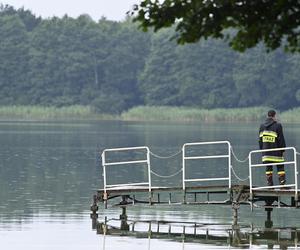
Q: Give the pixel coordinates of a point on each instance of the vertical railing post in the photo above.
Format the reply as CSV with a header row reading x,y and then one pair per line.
x,y
296,175
149,169
183,167
250,174
104,171
229,164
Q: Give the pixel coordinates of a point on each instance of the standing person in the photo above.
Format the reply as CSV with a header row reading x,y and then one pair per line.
x,y
271,136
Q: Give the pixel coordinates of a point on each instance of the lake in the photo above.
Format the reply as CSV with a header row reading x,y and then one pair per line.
x,y
49,172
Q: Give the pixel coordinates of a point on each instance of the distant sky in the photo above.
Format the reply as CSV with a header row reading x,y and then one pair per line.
x,y
111,9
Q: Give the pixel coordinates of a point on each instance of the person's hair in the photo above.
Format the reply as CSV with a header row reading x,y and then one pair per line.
x,y
271,113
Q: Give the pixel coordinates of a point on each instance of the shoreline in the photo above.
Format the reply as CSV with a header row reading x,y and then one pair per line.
x,y
144,114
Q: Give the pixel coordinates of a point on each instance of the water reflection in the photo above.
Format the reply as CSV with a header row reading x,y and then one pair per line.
x,y
222,235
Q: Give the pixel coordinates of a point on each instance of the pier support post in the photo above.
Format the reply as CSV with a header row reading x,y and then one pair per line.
x,y
269,222
105,198
235,207
184,197
151,198
94,218
123,217
101,227
294,202
94,206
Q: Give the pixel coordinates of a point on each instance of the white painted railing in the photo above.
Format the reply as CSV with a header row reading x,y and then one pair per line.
x,y
146,161
292,163
199,157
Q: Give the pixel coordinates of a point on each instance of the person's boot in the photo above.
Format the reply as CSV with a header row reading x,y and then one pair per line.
x,y
269,179
282,180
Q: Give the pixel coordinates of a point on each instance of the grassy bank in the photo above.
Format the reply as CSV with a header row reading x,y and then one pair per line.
x,y
144,113
193,114
49,113
292,115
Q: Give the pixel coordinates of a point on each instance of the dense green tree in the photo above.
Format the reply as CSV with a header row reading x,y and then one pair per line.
x,y
206,75
79,61
113,66
158,82
266,78
273,22
291,82
247,74
191,75
279,90
30,21
127,52
64,59
13,60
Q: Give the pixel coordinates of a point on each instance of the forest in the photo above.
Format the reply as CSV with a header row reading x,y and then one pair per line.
x,y
114,66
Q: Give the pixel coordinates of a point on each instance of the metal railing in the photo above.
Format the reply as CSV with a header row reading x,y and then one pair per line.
x,y
286,163
106,164
199,157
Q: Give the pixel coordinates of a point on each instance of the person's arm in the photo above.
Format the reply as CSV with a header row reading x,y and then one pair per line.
x,y
281,140
260,138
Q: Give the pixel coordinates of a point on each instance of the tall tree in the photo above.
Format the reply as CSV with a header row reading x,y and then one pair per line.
x,y
248,73
192,75
158,81
13,60
206,75
273,22
293,76
266,78
30,20
127,51
64,58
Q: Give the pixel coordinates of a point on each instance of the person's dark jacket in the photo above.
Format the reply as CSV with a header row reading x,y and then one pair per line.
x,y
271,136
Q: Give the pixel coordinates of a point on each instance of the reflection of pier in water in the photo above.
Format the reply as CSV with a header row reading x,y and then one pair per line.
x,y
201,233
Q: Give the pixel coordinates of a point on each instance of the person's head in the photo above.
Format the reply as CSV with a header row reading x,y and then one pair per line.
x,y
271,113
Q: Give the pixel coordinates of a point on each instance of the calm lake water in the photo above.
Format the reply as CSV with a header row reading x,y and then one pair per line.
x,y
50,171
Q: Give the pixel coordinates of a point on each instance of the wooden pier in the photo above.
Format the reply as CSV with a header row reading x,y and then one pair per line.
x,y
197,195
197,191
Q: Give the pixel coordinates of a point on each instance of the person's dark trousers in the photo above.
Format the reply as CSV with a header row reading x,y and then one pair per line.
x,y
280,173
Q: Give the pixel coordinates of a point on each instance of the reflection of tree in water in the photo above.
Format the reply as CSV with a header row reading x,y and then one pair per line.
x,y
50,179
53,168
46,168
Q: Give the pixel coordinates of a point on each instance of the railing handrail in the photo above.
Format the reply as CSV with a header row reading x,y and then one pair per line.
x,y
197,157
203,143
107,164
124,162
184,158
124,149
128,184
290,162
271,149
273,164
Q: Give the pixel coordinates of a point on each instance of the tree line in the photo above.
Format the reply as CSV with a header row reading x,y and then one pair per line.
x,y
114,66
